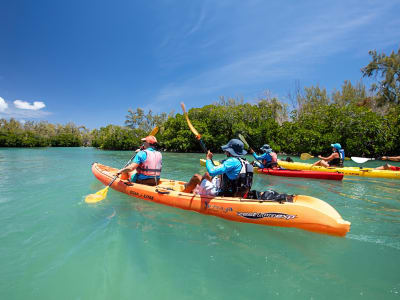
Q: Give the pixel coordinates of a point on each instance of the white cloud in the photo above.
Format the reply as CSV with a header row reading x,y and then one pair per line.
x,y
3,105
26,105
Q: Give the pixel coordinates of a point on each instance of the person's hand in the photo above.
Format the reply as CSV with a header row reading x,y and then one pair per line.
x,y
319,156
209,155
137,150
384,157
251,151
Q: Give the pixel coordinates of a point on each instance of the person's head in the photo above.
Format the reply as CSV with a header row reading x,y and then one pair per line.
x,y
234,148
289,159
266,148
336,147
149,141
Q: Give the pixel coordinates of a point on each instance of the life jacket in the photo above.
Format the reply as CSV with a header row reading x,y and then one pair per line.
x,y
240,186
152,165
272,159
338,161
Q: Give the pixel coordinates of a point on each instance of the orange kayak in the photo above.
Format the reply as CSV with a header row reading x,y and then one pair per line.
x,y
304,212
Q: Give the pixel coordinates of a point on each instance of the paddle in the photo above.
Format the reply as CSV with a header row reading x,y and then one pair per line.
x,y
305,156
246,144
361,160
195,132
102,194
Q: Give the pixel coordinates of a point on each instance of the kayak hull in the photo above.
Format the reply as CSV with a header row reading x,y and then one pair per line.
x,y
304,212
301,173
347,171
295,173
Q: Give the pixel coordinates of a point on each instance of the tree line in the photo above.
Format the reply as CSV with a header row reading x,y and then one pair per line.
x,y
365,122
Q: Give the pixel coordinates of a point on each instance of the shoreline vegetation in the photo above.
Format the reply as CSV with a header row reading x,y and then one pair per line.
x,y
365,123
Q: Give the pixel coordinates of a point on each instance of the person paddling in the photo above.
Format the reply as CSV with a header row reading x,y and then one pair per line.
x,y
147,163
235,174
268,159
334,160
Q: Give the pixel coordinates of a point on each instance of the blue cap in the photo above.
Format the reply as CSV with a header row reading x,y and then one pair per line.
x,y
235,147
336,146
266,148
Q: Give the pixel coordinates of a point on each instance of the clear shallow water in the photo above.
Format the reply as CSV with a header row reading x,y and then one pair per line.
x,y
54,246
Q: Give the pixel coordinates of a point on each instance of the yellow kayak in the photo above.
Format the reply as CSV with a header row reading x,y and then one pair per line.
x,y
347,171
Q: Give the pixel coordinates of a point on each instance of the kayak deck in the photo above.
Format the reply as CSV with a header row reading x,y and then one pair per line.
x,y
304,212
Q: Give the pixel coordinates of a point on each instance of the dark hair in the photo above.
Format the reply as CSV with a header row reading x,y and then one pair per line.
x,y
289,159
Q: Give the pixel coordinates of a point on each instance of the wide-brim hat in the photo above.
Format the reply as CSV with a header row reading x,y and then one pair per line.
x,y
235,147
266,148
150,139
337,146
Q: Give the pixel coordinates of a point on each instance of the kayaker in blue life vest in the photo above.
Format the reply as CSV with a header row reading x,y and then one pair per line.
x,y
336,159
268,159
232,178
147,163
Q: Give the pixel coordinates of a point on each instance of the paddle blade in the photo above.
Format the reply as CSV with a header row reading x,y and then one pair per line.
x,y
241,137
97,197
154,131
360,160
305,156
189,123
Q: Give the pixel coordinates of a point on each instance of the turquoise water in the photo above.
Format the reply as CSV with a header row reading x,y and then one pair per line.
x,y
54,246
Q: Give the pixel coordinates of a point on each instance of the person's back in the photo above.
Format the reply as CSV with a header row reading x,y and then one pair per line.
x,y
238,178
147,163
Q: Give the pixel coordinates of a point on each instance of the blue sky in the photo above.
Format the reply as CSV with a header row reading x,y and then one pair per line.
x,y
88,62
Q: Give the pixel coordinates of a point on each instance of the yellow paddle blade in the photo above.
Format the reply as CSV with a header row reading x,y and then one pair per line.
x,y
100,195
188,122
241,137
154,131
305,156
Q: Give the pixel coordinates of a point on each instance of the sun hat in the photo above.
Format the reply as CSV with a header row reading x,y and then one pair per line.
x,y
235,147
150,139
336,146
266,148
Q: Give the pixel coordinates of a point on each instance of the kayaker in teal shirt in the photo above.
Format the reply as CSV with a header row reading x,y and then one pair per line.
x,y
147,163
232,178
268,159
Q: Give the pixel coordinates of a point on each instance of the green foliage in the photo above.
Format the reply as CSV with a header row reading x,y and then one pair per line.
x,y
41,134
117,138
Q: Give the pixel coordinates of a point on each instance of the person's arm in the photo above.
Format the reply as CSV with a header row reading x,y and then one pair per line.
x,y
330,157
139,158
258,157
214,170
129,168
392,158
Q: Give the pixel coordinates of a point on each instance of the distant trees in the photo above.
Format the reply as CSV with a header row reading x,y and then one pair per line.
x,y
388,69
40,134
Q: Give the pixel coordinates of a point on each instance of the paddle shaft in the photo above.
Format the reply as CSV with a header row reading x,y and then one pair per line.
x,y
241,137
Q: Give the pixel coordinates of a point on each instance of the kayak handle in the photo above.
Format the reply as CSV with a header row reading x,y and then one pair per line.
x,y
162,191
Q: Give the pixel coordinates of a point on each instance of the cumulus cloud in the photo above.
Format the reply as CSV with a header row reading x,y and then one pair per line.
x,y
26,105
3,105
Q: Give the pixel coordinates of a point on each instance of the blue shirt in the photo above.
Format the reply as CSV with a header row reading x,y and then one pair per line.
x,y
141,157
231,167
261,158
